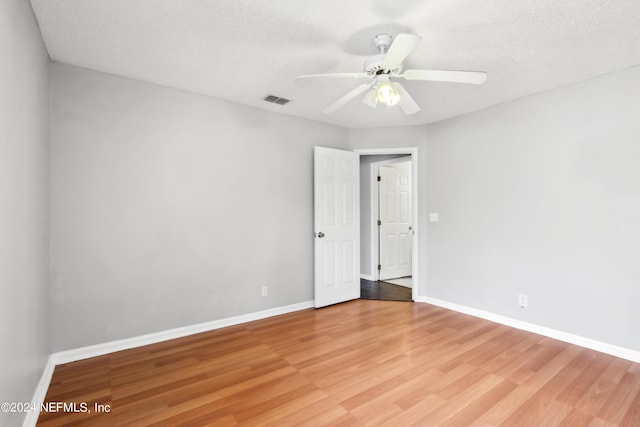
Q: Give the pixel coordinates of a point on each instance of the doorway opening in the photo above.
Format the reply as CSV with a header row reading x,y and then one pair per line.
x,y
388,182
337,224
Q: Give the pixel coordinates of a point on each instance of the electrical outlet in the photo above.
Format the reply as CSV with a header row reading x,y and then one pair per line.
x,y
523,300
265,291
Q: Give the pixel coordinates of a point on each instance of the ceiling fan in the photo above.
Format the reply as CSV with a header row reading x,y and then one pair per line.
x,y
382,69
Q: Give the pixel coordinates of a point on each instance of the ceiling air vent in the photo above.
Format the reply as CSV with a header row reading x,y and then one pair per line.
x,y
276,100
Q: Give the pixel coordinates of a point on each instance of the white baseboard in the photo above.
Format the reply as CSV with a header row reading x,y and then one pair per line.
x,y
613,350
367,277
41,392
125,344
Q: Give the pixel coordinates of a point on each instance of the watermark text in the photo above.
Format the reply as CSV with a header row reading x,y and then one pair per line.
x,y
55,407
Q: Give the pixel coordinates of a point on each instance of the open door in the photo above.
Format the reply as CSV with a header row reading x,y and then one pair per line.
x,y
395,228
336,226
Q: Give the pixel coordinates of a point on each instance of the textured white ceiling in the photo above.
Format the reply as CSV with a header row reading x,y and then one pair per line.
x,y
242,50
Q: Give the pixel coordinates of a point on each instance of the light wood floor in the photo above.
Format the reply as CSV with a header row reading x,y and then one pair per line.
x,y
358,363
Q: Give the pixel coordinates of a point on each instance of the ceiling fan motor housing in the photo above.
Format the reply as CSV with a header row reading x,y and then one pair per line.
x,y
373,66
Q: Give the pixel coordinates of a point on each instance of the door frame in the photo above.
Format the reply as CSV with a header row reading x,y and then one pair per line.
x,y
413,153
375,212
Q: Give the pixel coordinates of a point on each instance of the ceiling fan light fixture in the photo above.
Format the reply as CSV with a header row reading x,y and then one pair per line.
x,y
371,98
393,99
387,94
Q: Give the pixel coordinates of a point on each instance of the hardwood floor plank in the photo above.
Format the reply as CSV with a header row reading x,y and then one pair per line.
x,y
372,394
582,384
139,416
518,368
347,420
311,410
462,384
503,409
616,370
555,414
413,414
560,385
462,400
632,417
541,358
620,400
576,418
634,368
476,409
366,384
599,422
434,387
321,366
359,363
518,351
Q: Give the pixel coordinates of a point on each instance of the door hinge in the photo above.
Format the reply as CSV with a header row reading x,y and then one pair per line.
x,y
379,267
379,222
379,179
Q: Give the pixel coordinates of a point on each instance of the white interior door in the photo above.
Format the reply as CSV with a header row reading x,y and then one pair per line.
x,y
395,221
337,226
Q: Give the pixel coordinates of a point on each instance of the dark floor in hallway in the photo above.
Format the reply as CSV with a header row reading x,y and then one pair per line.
x,y
384,291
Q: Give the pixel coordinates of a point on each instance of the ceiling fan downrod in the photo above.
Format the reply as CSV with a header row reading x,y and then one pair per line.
x,y
382,42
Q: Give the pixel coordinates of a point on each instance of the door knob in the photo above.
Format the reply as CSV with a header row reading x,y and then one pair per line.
x,y
321,234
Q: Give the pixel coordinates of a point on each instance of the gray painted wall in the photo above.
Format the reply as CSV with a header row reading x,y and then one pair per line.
x,y
24,335
170,208
539,196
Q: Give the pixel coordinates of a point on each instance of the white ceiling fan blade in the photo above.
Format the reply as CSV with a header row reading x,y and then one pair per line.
x,y
406,102
335,76
371,98
400,48
348,97
472,77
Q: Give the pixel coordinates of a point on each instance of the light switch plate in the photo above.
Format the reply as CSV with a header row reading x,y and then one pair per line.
x,y
433,216
523,300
